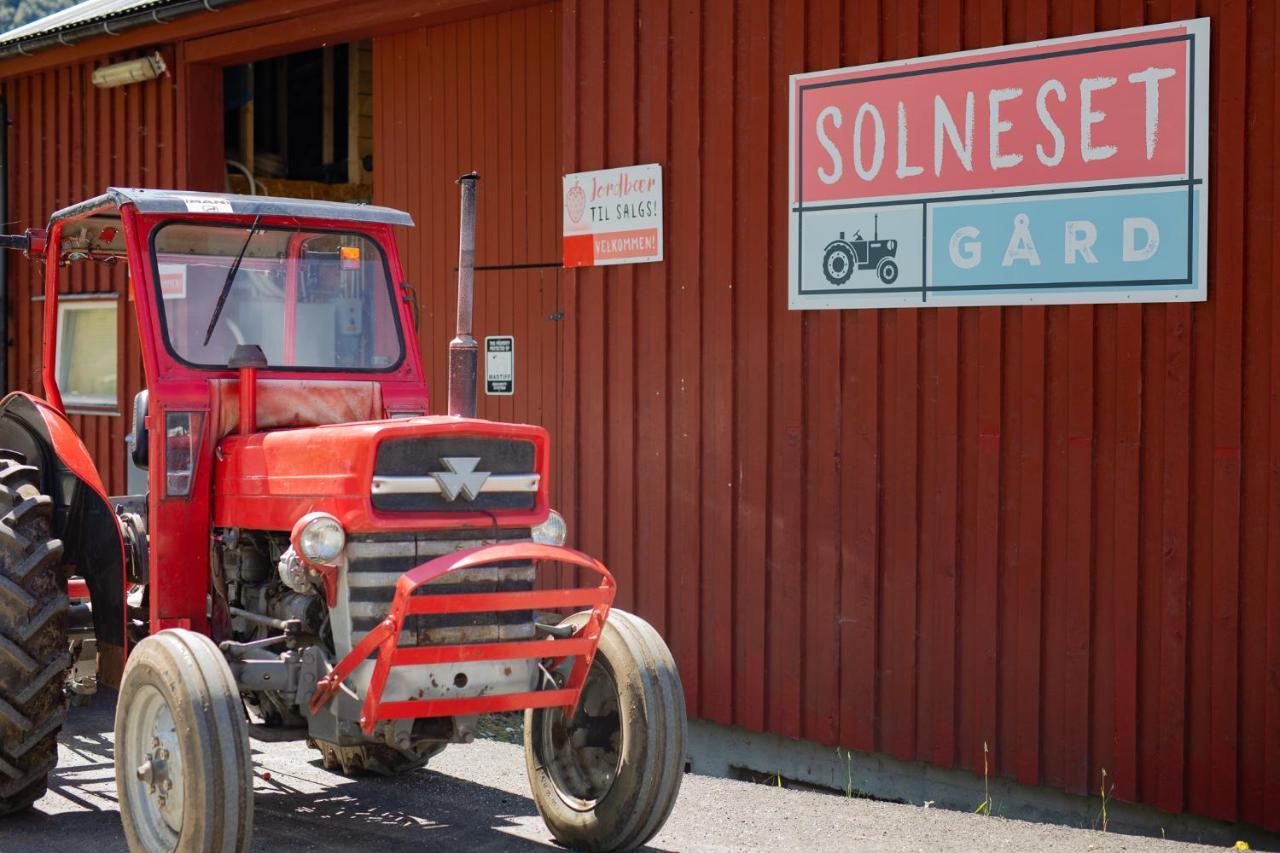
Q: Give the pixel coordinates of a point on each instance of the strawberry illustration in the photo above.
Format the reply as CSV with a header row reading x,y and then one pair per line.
x,y
576,200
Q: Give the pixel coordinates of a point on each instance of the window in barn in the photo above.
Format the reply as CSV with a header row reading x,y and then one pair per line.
x,y
302,125
86,357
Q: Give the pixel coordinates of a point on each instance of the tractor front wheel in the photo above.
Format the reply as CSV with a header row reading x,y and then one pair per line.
x,y
607,778
888,270
183,771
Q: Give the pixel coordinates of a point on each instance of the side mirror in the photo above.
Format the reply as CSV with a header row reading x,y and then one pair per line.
x,y
137,437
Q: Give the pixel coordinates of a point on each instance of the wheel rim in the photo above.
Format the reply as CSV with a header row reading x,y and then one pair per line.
x,y
153,769
583,754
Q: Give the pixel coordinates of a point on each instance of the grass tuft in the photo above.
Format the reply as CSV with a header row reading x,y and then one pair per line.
x,y
984,807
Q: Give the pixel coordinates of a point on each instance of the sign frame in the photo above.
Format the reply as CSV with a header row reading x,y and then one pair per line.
x,y
926,274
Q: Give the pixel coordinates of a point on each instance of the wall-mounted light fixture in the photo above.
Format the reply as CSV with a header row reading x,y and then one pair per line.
x,y
133,71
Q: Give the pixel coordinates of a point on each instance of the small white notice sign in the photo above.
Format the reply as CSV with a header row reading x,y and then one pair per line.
x,y
500,365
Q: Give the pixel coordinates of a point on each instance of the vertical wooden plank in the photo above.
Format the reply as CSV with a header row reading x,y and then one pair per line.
x,y
686,323
652,328
717,366
985,612
1080,320
1270,791
456,154
34,202
571,162
1170,754
1229,77
1130,402
820,495
19,189
414,186
620,319
786,431
530,321
945,497
752,355
860,539
1103,567
523,218
1026,650
592,356
50,198
1256,449
861,465
548,112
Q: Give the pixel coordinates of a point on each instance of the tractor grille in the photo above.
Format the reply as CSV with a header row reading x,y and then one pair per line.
x,y
426,475
376,562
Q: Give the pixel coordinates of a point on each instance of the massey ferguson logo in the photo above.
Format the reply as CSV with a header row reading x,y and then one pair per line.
x,y
462,478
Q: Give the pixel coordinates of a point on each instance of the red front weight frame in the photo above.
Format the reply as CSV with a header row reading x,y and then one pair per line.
x,y
385,637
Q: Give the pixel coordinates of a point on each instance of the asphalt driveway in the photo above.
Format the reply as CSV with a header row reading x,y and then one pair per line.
x,y
475,797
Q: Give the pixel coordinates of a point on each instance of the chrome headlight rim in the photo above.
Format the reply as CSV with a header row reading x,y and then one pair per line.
x,y
319,538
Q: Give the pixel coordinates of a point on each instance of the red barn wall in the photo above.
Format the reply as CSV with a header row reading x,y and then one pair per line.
x,y
1051,530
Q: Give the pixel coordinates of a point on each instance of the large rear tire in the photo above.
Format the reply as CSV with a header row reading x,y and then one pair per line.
x,y
183,767
34,655
607,779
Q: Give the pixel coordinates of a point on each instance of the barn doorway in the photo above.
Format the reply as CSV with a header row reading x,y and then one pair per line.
x,y
301,125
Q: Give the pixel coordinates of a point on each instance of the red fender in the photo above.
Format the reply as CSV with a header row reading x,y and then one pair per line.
x,y
91,520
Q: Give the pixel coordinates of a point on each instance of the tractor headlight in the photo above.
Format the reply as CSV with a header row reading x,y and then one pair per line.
x,y
553,531
319,538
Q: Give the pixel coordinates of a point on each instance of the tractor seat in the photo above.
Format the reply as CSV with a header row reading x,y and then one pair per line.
x,y
284,403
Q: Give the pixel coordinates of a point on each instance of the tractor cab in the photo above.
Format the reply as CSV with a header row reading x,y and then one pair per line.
x,y
335,563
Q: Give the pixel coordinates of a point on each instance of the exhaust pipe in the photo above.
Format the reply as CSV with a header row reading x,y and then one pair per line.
x,y
463,352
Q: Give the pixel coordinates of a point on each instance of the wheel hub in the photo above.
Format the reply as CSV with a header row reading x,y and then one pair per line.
x,y
153,750
586,749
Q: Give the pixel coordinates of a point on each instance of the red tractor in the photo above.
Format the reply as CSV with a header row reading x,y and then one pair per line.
x,y
316,557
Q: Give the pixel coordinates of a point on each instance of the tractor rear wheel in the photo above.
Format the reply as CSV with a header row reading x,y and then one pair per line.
x,y
838,262
34,655
183,767
607,778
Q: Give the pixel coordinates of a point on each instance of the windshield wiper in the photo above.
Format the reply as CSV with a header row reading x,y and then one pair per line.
x,y
231,277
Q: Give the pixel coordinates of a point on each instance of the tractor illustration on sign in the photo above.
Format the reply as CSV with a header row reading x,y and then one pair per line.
x,y
315,557
843,256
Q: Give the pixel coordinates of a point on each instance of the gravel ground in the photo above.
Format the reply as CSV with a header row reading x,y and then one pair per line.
x,y
476,797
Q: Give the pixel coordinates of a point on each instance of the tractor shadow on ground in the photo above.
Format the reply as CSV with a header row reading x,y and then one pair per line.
x,y
312,811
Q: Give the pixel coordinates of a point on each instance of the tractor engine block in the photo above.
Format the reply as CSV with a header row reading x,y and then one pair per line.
x,y
253,587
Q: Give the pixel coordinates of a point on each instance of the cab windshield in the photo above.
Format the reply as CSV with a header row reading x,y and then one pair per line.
x,y
316,300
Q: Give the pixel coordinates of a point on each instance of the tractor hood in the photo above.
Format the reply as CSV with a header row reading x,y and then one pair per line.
x,y
406,474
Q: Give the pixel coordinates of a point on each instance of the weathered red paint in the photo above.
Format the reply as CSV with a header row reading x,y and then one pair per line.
x,y
270,479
